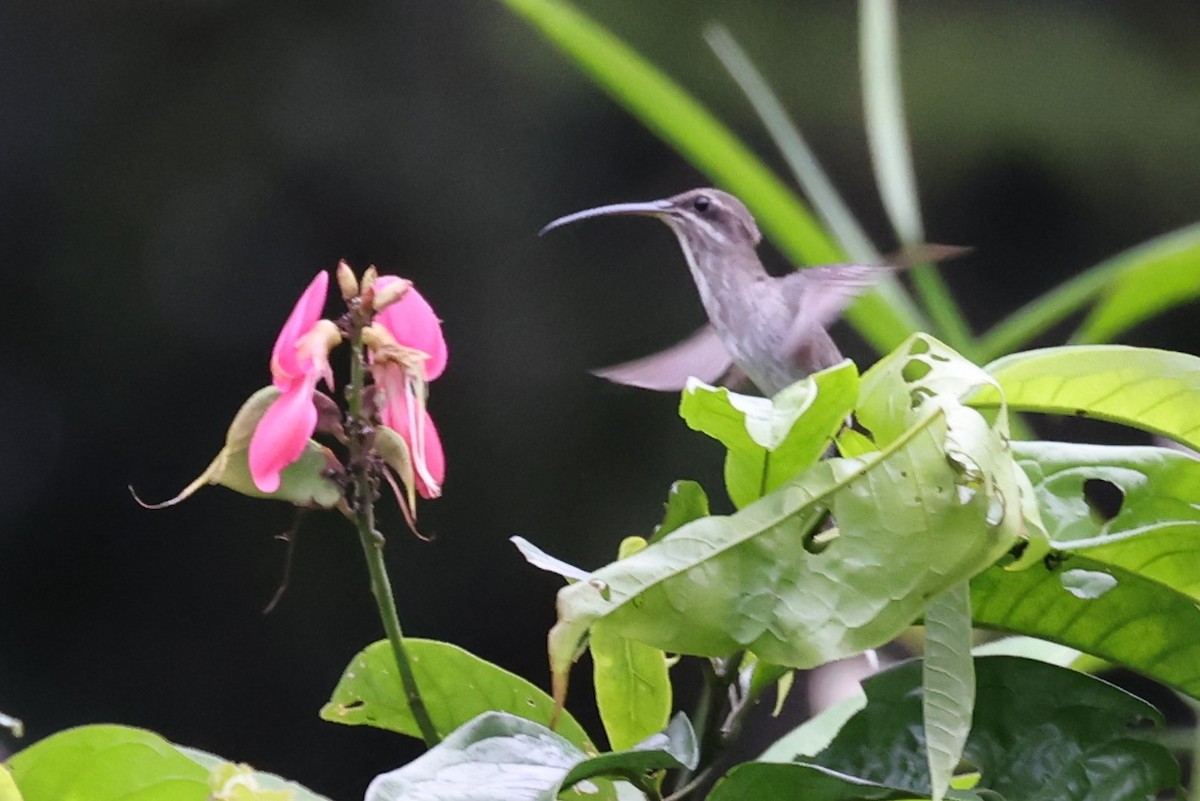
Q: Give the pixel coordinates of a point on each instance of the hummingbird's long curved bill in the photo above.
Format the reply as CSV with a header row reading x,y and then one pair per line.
x,y
652,208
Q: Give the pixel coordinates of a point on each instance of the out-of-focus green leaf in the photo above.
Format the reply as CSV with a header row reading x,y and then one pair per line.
x,y
1029,648
747,582
1040,731
947,684
107,763
500,757
633,688
767,781
770,440
814,734
672,114
1132,285
1155,390
1147,280
1140,623
1134,507
235,782
8,788
455,684
686,502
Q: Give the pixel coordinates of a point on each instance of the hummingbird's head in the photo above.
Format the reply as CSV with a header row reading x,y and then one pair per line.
x,y
702,217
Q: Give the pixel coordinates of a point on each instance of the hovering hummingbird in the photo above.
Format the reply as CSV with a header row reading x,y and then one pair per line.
x,y
773,329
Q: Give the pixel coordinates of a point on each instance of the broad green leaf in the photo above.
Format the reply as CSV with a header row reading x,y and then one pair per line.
x,y
8,788
814,734
746,581
305,482
1152,525
1147,280
947,684
501,757
242,783
455,684
1040,732
107,763
884,316
770,440
1155,390
1140,623
633,688
686,502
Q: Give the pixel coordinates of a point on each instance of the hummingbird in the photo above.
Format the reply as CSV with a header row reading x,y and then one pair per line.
x,y
774,329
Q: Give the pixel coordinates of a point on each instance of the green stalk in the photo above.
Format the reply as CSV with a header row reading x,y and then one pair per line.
x,y
372,541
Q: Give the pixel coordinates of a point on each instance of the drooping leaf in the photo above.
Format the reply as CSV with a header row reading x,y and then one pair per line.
x,y
1040,732
107,763
1155,390
747,582
305,482
235,782
501,757
884,316
633,688
947,684
686,502
455,684
1146,280
770,440
1141,623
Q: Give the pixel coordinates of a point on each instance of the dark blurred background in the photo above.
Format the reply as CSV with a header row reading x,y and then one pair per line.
x,y
172,174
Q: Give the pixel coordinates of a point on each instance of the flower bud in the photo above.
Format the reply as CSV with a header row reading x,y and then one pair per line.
x,y
389,293
347,281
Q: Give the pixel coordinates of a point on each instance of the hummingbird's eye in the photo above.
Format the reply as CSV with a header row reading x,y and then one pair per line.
x,y
701,204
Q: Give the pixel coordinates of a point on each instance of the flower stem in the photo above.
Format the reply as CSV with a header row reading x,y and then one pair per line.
x,y
370,538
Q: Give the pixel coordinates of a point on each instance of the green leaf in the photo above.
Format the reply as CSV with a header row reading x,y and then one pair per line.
x,y
814,734
107,763
455,684
1155,390
723,584
1147,280
683,123
1030,648
1141,623
765,781
500,757
686,502
8,787
633,688
305,482
770,440
233,779
1135,284
1153,524
1040,732
947,684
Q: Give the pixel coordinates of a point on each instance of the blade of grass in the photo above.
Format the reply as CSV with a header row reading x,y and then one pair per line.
x,y
803,163
686,125
1134,269
883,107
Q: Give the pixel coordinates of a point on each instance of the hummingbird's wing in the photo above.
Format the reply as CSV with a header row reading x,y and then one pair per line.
x,y
701,355
820,295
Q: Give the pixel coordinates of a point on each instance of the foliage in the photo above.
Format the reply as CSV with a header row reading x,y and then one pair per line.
x,y
865,503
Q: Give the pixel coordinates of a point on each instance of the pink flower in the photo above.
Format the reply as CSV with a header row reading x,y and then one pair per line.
x,y
413,353
299,360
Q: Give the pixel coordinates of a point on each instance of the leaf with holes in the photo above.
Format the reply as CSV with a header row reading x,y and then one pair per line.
x,y
1155,390
746,581
455,684
770,440
1137,508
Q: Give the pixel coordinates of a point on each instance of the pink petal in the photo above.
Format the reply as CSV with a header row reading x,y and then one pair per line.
x,y
282,433
286,364
412,322
399,412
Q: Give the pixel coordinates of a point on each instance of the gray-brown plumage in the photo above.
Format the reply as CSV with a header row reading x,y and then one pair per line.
x,y
774,329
